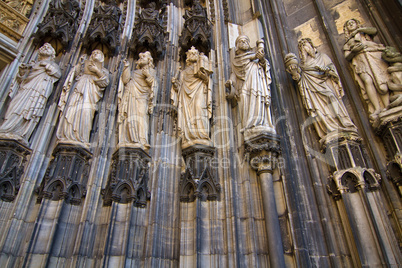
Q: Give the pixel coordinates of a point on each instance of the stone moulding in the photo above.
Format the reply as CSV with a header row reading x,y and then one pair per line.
x,y
60,22
67,175
198,180
128,179
13,158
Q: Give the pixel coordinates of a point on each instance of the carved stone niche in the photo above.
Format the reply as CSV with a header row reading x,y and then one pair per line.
x,y
67,176
197,30
149,33
13,158
198,180
128,179
60,23
345,151
352,180
105,27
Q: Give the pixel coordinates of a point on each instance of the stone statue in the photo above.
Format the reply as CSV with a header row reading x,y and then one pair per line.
x,y
192,94
320,89
250,81
135,102
76,119
150,13
394,58
27,106
370,70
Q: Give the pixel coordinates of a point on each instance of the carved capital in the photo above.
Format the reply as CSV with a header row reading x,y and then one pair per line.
x,y
263,151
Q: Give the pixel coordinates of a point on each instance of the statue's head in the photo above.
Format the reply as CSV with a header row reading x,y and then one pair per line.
x,y
47,51
145,59
350,26
242,42
192,54
306,47
97,55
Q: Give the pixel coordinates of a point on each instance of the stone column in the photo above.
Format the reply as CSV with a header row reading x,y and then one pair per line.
x,y
198,191
264,150
127,186
60,195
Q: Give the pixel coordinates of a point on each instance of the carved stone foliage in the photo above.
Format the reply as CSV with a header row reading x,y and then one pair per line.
x,y
148,32
128,179
67,176
352,180
13,157
197,29
198,180
60,22
12,22
105,26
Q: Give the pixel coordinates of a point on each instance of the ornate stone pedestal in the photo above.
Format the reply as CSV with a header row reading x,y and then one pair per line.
x,y
67,176
355,187
128,179
264,150
199,181
391,135
13,157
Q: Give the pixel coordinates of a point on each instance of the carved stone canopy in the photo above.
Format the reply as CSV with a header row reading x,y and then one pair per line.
x,y
13,157
105,27
128,179
198,180
60,22
197,30
67,176
148,33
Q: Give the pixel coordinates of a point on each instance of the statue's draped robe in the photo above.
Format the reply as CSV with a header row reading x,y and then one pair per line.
x,y
76,122
321,97
133,108
368,62
28,105
194,107
252,81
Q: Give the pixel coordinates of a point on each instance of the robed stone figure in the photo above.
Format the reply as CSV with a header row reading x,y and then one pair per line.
x,y
77,117
250,80
192,94
369,68
27,106
320,89
135,102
